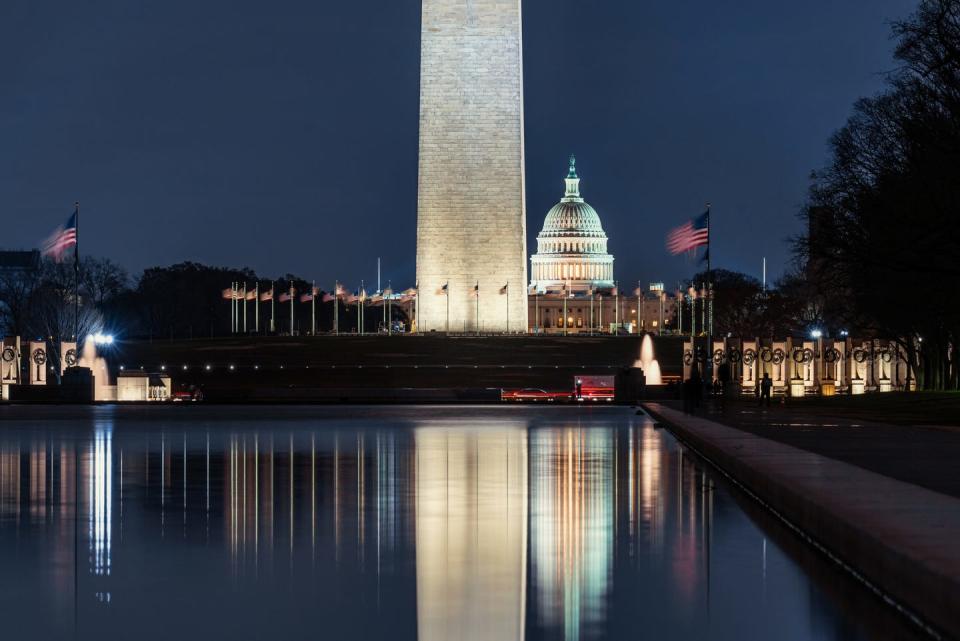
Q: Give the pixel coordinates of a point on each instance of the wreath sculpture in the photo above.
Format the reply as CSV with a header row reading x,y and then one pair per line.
x,y
832,355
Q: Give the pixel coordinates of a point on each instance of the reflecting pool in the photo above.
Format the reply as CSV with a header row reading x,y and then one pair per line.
x,y
427,523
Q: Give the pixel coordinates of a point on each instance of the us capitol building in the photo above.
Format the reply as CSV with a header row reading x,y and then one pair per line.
x,y
572,285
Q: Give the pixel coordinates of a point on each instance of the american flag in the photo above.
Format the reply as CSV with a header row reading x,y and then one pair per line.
x,y
287,296
267,295
690,235
61,240
327,298
309,296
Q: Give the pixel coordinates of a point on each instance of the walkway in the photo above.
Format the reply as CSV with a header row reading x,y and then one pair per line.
x,y
900,537
922,455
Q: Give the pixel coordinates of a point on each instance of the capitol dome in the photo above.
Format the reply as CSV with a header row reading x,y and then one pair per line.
x,y
572,246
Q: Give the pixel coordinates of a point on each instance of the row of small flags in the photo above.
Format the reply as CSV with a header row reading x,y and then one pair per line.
x,y
241,294
445,289
685,238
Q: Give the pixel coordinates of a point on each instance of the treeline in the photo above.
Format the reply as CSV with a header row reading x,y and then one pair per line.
x,y
742,306
180,301
883,241
880,254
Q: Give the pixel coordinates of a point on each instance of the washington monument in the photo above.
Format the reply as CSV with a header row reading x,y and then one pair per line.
x,y
471,229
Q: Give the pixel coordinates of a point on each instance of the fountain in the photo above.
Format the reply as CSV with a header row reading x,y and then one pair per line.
x,y
102,390
648,363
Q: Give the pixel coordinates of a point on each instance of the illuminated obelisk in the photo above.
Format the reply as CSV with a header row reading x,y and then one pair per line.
x,y
471,219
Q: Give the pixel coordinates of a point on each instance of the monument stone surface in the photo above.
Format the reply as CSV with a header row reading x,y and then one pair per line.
x,y
471,222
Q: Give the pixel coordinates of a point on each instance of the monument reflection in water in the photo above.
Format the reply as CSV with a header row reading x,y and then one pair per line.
x,y
401,523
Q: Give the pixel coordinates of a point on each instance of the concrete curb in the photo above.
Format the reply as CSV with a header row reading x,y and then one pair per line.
x,y
903,541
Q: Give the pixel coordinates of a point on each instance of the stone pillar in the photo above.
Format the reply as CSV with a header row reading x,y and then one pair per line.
x,y
37,363
9,365
471,219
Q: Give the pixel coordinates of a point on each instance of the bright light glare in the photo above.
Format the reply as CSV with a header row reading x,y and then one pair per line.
x,y
100,339
816,333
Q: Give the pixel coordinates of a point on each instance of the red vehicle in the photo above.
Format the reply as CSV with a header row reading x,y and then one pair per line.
x,y
533,395
594,388
187,394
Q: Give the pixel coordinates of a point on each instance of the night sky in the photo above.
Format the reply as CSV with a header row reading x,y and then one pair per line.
x,y
283,135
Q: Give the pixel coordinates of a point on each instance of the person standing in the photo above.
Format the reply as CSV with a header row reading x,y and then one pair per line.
x,y
766,384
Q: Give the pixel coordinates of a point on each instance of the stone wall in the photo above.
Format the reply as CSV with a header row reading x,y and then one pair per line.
x,y
471,215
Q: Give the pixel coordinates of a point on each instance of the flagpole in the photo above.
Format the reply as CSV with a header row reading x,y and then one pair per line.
x,y
336,308
313,309
536,309
616,309
708,322
642,320
680,312
709,280
244,307
273,306
565,294
76,275
591,310
233,303
477,288
256,308
508,307
291,307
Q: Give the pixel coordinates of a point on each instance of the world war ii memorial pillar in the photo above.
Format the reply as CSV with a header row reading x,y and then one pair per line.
x,y
471,218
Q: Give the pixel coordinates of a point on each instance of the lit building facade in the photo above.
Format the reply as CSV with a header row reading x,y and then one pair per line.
x,y
606,312
572,246
572,286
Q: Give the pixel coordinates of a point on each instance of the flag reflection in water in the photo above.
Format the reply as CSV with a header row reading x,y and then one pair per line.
x,y
471,522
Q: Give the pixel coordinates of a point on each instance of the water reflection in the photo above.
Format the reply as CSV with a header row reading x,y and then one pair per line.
x,y
403,523
471,514
572,525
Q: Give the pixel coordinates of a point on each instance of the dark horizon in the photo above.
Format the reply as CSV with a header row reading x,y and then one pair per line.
x,y
286,141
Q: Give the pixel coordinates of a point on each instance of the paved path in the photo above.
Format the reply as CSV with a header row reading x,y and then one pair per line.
x,y
924,456
901,537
